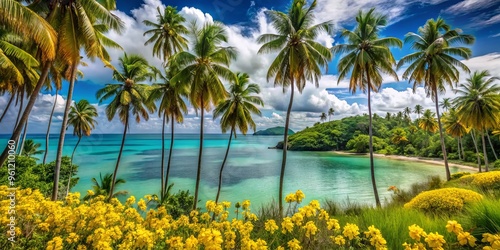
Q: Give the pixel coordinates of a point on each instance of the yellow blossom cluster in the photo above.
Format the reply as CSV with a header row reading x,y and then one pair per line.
x,y
295,197
96,224
488,180
444,200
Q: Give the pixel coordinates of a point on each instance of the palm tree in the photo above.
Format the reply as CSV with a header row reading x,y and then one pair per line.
x,y
428,122
204,68
366,57
445,104
236,112
129,97
322,117
478,103
418,110
167,36
104,187
454,127
171,108
434,63
23,21
30,148
407,112
299,58
81,117
167,33
331,111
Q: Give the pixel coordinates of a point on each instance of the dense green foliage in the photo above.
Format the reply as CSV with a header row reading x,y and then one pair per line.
x,y
274,131
29,174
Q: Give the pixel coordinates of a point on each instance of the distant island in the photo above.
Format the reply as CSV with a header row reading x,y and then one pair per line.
x,y
274,131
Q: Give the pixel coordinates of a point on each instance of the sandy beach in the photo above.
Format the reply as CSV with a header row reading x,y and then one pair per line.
x,y
414,159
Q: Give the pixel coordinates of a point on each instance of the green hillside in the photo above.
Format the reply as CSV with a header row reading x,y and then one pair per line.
x,y
274,131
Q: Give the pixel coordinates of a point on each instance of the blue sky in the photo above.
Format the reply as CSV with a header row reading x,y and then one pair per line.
x,y
246,20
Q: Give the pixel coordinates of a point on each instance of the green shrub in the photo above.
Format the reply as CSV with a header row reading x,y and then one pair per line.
x,y
458,175
496,164
444,200
485,181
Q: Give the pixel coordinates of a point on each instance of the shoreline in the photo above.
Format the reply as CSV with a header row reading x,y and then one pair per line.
x,y
412,159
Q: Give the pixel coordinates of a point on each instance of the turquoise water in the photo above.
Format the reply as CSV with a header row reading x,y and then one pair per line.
x,y
252,170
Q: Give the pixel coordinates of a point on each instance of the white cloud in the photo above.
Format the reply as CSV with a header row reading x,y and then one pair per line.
x,y
467,6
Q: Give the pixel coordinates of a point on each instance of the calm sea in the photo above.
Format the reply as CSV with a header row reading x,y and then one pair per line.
x,y
252,170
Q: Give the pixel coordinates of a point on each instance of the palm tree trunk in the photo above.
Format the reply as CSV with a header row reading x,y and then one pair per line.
x,y
222,166
162,175
19,113
477,150
170,152
458,149
62,134
71,165
8,106
443,146
462,147
485,154
370,132
285,148
47,136
27,110
24,137
115,172
198,171
491,145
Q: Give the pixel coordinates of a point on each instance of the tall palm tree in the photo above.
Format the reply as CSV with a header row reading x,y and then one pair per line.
x,y
167,33
434,63
428,122
236,112
478,103
23,21
204,68
104,187
366,57
299,58
322,117
418,110
30,148
129,98
81,117
171,108
331,111
407,112
454,127
167,36
445,104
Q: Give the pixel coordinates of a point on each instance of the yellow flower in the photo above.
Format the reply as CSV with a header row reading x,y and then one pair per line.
x,y
435,240
300,196
287,225
191,243
270,226
210,205
55,244
466,238
416,232
290,198
453,226
310,228
142,205
175,242
338,240
333,224
351,231
72,238
294,244
245,204
372,231
90,193
226,204
130,201
297,219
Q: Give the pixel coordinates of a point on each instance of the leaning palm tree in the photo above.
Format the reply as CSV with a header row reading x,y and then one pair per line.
x,y
236,112
322,117
167,33
30,148
366,57
445,104
104,187
454,127
81,117
171,108
419,110
129,98
299,59
478,104
204,68
331,111
434,63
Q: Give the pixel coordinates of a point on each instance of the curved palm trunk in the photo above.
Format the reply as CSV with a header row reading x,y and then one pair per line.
x,y
477,151
485,154
71,165
19,113
24,137
198,171
285,148
170,152
162,175
7,107
443,146
222,166
370,132
462,147
491,145
27,110
47,136
115,172
62,134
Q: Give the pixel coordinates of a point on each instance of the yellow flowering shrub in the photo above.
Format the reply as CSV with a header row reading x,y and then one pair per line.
x,y
95,224
444,200
488,180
